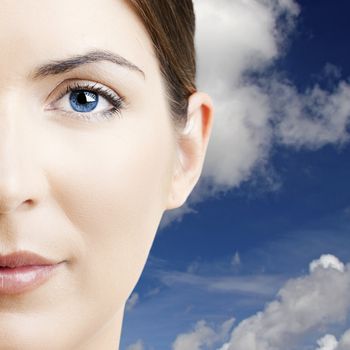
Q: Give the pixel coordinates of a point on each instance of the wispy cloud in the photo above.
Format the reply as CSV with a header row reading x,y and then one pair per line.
x,y
252,284
311,119
132,301
136,346
236,260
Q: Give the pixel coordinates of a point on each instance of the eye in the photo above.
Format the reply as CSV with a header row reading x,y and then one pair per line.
x,y
88,101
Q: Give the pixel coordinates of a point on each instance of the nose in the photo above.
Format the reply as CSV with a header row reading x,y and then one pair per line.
x,y
22,182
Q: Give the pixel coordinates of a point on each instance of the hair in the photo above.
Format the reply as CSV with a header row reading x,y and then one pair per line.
x,y
171,26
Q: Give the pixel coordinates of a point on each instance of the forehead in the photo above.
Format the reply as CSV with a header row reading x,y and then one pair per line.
x,y
33,31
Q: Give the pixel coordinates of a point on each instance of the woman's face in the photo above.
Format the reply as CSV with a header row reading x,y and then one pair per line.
x,y
79,182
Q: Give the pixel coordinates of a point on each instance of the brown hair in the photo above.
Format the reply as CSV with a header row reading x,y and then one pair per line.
x,y
171,26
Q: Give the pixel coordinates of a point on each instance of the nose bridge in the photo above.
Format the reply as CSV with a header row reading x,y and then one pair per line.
x,y
19,182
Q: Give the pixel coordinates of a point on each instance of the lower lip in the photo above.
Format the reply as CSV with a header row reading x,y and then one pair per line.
x,y
19,279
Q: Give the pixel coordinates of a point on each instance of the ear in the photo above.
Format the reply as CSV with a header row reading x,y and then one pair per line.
x,y
191,145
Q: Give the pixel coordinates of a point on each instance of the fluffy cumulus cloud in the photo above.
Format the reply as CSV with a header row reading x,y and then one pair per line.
x,y
344,343
303,305
327,261
203,335
238,42
328,342
235,38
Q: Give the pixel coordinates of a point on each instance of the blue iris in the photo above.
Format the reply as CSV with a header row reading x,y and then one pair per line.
x,y
83,100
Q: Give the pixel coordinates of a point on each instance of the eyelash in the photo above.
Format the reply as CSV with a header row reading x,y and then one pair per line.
x,y
118,103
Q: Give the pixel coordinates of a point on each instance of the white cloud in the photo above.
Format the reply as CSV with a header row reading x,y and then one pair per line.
x,y
176,215
132,301
237,37
263,285
224,347
234,39
313,119
234,36
344,343
202,335
137,346
328,342
304,305
327,261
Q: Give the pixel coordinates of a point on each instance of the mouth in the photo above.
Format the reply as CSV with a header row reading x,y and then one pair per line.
x,y
24,270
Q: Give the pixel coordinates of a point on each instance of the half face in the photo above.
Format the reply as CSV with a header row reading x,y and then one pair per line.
x,y
87,150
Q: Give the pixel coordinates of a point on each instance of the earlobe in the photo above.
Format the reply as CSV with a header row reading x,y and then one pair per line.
x,y
192,144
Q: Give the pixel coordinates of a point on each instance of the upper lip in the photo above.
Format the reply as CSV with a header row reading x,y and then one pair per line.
x,y
23,258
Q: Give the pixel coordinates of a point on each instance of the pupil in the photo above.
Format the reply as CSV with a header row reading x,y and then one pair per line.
x,y
81,98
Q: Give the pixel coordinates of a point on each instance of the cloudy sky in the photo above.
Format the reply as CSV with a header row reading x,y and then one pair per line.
x,y
258,258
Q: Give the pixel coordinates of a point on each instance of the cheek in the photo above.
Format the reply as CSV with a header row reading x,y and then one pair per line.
x,y
112,185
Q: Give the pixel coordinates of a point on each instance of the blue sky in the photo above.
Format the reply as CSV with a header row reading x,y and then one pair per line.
x,y
249,236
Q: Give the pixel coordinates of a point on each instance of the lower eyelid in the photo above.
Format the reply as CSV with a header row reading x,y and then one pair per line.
x,y
85,118
103,114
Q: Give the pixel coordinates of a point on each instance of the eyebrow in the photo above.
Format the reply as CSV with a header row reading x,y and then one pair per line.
x,y
65,65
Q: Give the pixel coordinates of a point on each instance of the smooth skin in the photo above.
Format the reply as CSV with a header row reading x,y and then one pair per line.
x,y
89,193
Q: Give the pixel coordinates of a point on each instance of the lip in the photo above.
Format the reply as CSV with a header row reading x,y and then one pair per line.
x,y
23,271
24,258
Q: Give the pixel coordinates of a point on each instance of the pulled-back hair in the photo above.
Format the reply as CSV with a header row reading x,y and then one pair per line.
x,y
171,26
